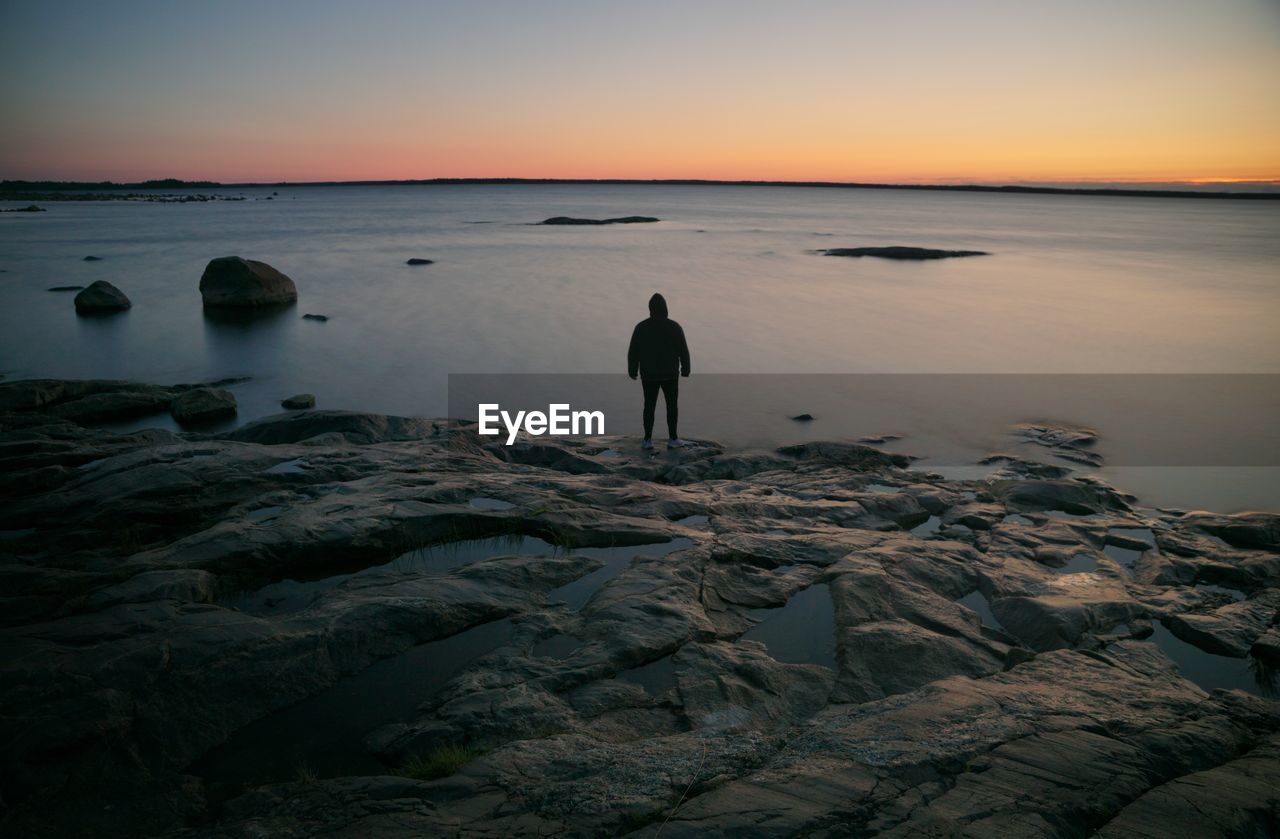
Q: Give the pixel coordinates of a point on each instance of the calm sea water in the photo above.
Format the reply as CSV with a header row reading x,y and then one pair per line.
x,y
1075,284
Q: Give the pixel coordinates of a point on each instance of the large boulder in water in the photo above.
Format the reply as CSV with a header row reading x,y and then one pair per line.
x,y
101,296
236,283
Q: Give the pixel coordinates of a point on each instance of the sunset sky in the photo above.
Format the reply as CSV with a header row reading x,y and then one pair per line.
x,y
880,90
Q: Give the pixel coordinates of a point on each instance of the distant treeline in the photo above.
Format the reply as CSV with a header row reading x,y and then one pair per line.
x,y
174,183
81,186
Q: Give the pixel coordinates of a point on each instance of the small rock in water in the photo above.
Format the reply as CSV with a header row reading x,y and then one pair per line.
x,y
30,208
202,405
101,296
93,259
803,418
900,252
321,318
299,402
418,261
65,288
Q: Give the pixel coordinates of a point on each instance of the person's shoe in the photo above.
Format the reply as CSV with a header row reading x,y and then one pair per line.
x,y
646,444
676,443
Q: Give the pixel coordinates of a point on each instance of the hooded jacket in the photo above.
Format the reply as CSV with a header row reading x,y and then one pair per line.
x,y
658,350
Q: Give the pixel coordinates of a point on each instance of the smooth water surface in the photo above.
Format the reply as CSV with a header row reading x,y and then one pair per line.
x,y
1074,284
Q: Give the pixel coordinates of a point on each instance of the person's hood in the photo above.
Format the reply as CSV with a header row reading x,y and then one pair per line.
x,y
657,306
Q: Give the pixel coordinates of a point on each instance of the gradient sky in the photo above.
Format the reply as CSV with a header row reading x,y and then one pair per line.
x,y
879,90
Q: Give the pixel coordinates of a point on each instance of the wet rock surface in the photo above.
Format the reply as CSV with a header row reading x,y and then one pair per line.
x,y
203,405
565,636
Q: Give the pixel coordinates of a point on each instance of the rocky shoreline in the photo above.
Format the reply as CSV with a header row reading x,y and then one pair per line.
x,y
815,640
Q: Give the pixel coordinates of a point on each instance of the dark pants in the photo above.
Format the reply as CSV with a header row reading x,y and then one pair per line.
x,y
670,394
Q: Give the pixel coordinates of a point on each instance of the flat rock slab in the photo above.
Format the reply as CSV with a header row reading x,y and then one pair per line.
x,y
203,405
900,252
661,660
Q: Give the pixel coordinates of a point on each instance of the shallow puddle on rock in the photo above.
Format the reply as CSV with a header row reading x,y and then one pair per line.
x,y
557,646
928,527
656,677
1230,592
616,560
1079,564
291,595
975,601
1211,671
880,488
1124,556
801,632
324,733
961,472
297,466
690,521
1016,518
264,513
482,503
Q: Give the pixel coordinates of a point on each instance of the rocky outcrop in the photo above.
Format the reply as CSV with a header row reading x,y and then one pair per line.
x,y
203,405
101,297
569,220
900,252
299,402
231,282
731,642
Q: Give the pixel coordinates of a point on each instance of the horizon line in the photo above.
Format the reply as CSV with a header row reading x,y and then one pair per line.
x,y
1121,188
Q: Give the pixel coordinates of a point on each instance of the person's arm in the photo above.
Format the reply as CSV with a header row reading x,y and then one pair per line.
x,y
633,353
684,353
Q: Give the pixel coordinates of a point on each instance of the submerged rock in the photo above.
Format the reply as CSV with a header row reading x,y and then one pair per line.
x,y
64,288
900,252
619,220
233,282
203,405
320,318
417,261
92,259
101,296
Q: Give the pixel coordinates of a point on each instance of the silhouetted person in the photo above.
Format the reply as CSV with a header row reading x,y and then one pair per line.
x,y
658,352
